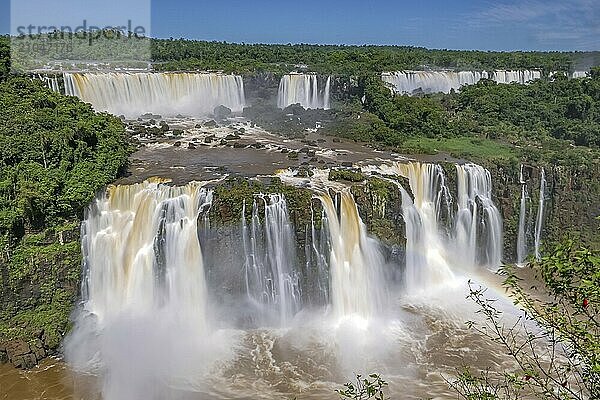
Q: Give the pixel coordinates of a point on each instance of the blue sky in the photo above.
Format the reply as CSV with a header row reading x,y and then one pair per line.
x,y
461,24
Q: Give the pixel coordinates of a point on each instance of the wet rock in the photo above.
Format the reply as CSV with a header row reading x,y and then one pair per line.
x,y
293,155
222,112
241,131
3,355
177,144
21,355
238,145
177,132
347,164
211,124
37,348
337,140
150,116
209,139
232,137
191,146
310,143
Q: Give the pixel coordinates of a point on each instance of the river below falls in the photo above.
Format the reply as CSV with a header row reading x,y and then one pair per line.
x,y
415,349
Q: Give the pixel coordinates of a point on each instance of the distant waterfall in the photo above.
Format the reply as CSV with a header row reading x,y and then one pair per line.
x,y
515,76
303,89
354,260
272,275
579,74
539,223
51,81
134,94
440,239
521,237
407,82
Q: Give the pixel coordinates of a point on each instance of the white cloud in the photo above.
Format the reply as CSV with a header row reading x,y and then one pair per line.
x,y
554,23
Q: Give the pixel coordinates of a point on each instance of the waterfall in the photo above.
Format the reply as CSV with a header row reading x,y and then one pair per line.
x,y
51,81
427,253
272,277
521,239
439,239
539,222
407,82
141,250
515,76
579,74
475,192
317,251
303,89
134,94
354,261
431,81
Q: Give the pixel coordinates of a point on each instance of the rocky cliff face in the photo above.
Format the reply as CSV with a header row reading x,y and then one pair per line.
x,y
39,285
572,204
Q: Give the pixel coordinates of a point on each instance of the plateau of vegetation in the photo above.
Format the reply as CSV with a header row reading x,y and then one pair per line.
x,y
55,154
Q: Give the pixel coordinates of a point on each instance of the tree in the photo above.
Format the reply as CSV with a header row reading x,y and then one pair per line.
x,y
559,356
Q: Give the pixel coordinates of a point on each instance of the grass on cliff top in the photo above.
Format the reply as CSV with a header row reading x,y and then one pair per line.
x,y
460,147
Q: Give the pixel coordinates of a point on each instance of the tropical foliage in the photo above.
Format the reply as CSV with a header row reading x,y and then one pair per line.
x,y
556,344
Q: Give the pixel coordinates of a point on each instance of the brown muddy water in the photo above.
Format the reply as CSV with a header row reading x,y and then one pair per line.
x,y
415,350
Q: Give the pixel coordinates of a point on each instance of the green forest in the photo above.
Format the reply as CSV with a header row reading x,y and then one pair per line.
x,y
56,153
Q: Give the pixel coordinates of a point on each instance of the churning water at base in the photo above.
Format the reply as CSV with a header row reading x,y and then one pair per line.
x,y
303,89
166,94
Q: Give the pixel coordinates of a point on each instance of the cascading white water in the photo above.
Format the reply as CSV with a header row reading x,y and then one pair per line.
x,y
134,94
354,261
144,291
539,222
317,258
579,74
303,89
431,81
521,238
407,82
439,240
51,81
515,76
272,276
141,250
427,253
475,191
